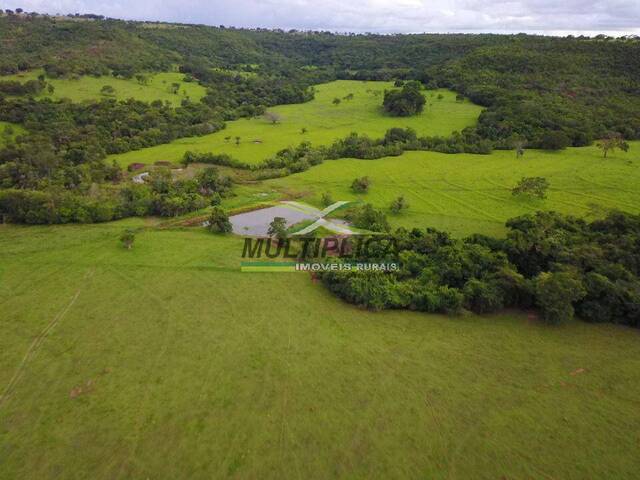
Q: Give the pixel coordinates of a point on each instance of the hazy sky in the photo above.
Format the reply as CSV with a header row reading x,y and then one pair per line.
x,y
614,17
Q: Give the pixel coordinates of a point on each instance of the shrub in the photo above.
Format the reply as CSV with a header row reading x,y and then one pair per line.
x,y
327,199
399,204
127,238
361,185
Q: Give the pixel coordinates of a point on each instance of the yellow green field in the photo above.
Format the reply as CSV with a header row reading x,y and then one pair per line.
x,y
324,121
88,88
165,361
466,193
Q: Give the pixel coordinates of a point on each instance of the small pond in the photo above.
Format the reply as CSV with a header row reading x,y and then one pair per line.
x,y
256,223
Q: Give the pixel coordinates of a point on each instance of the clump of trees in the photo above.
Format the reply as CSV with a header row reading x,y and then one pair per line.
x,y
30,87
532,186
367,217
557,263
160,195
404,102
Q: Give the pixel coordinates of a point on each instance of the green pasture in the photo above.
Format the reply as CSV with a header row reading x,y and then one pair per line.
x,y
88,87
324,121
166,362
466,193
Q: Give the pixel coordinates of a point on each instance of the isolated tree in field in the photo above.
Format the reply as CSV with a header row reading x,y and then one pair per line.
x,y
327,199
361,185
440,96
611,142
219,221
127,238
303,130
336,101
278,228
142,79
108,90
533,186
174,88
519,144
237,141
227,139
399,204
459,98
348,96
272,117
50,88
406,102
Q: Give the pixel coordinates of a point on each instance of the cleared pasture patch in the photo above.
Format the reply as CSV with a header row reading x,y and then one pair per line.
x,y
324,122
466,194
89,88
9,131
172,363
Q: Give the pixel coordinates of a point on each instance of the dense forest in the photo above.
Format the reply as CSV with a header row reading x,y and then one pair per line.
x,y
547,92
557,263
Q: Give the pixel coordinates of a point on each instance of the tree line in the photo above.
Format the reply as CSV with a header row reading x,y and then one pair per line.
x,y
559,264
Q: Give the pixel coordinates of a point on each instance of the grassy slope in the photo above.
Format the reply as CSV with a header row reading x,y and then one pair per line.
x,y
192,369
88,88
472,193
324,121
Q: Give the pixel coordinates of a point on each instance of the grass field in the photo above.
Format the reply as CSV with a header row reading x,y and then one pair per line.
x,y
324,121
166,362
466,193
88,88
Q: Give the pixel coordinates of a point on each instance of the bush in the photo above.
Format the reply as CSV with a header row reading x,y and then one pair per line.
x,y
399,204
127,238
361,185
327,199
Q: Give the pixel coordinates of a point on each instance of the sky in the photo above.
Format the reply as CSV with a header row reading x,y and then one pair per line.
x,y
552,17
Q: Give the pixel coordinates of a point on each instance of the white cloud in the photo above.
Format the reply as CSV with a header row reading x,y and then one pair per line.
x,y
386,16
